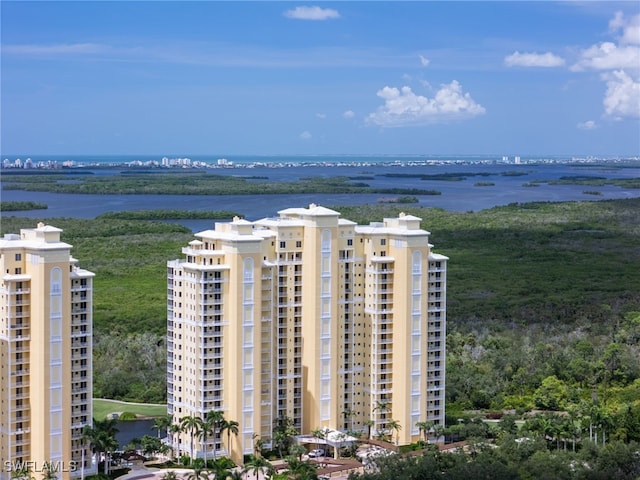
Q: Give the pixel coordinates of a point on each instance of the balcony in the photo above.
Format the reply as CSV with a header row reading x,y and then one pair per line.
x,y
382,341
20,407
375,309
18,316
20,303
18,336
212,356
24,417
212,289
20,443
19,291
209,302
78,367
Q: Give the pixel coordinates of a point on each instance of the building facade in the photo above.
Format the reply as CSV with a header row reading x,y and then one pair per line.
x,y
311,317
46,355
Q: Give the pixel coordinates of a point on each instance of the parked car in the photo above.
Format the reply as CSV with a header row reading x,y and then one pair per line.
x,y
318,452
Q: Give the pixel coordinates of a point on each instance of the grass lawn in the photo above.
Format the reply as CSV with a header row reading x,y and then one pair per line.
x,y
102,407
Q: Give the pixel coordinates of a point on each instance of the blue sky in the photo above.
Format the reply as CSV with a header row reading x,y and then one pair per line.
x,y
206,77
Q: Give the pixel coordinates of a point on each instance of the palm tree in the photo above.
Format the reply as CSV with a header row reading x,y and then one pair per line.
x,y
107,434
394,425
174,429
170,475
87,434
102,439
423,427
438,430
369,423
220,471
134,444
257,464
198,474
193,426
205,430
279,440
347,414
300,470
108,444
383,407
230,426
234,475
215,419
23,473
258,443
297,450
49,474
318,434
161,423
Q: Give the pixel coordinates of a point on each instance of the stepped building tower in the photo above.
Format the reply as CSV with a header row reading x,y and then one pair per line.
x,y
311,317
45,356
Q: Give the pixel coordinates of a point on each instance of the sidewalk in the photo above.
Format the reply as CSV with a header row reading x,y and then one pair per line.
x,y
140,471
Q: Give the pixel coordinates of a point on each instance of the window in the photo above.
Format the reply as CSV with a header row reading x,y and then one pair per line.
x,y
18,257
350,242
299,244
283,244
383,241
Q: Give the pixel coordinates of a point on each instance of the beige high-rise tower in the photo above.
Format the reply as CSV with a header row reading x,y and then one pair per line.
x,y
307,316
46,355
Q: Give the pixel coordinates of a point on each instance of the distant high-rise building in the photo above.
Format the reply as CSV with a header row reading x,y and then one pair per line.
x,y
45,355
311,317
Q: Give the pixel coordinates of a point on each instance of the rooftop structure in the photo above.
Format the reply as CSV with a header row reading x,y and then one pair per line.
x,y
46,355
311,317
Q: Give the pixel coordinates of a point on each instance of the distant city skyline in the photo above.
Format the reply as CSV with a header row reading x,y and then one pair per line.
x,y
231,78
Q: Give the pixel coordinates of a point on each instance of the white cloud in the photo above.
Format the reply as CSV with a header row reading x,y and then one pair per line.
x,y
517,59
312,13
609,56
402,107
630,28
622,98
424,61
588,125
321,115
306,135
620,63
348,114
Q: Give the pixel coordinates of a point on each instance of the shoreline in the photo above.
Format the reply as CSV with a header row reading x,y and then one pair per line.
x,y
83,162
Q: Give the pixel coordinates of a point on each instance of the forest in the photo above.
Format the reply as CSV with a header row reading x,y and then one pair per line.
x,y
195,183
543,305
